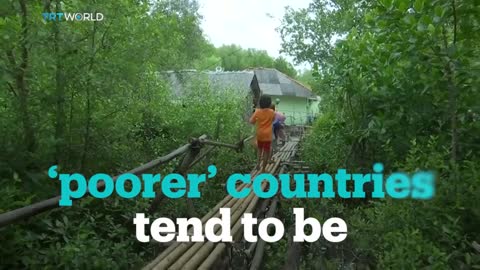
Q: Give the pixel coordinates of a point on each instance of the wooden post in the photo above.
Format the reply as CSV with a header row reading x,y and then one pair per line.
x,y
294,252
257,258
192,152
195,147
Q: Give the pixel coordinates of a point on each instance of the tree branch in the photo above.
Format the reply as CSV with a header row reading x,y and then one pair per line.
x,y
10,86
454,22
11,58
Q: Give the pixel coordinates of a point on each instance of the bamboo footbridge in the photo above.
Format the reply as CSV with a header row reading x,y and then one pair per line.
x,y
204,255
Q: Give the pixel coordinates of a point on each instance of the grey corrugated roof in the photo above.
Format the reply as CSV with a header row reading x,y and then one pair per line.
x,y
273,82
238,81
270,81
270,89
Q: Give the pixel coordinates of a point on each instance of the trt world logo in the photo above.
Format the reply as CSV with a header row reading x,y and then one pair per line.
x,y
72,16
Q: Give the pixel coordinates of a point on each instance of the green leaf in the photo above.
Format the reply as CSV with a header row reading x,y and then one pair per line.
x,y
421,27
409,19
468,258
387,3
402,5
418,5
439,11
451,50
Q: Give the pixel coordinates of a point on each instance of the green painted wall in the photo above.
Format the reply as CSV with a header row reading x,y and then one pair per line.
x,y
296,109
315,106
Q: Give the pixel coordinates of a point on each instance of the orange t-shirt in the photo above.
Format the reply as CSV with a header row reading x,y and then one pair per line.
x,y
263,118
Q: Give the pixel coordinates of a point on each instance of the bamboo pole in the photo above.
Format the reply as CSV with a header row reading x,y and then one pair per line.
x,y
237,227
184,247
257,258
228,201
192,259
160,257
34,209
190,255
207,264
45,205
200,248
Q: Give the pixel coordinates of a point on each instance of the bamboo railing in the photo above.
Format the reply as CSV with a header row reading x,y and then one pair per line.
x,y
192,156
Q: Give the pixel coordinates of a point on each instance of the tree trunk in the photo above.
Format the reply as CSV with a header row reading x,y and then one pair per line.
x,y
452,88
88,110
59,92
67,160
21,84
453,91
294,252
86,136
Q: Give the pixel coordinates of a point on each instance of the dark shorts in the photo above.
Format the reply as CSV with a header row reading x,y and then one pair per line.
x,y
276,128
265,146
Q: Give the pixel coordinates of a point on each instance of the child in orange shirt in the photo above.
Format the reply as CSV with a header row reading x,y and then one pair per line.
x,y
263,119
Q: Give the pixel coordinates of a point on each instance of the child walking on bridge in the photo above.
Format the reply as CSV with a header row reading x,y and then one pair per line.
x,y
263,119
278,125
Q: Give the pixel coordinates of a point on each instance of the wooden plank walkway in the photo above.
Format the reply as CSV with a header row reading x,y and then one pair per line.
x,y
205,254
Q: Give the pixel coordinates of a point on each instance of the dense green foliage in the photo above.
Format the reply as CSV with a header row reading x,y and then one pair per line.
x,y
399,82
87,96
